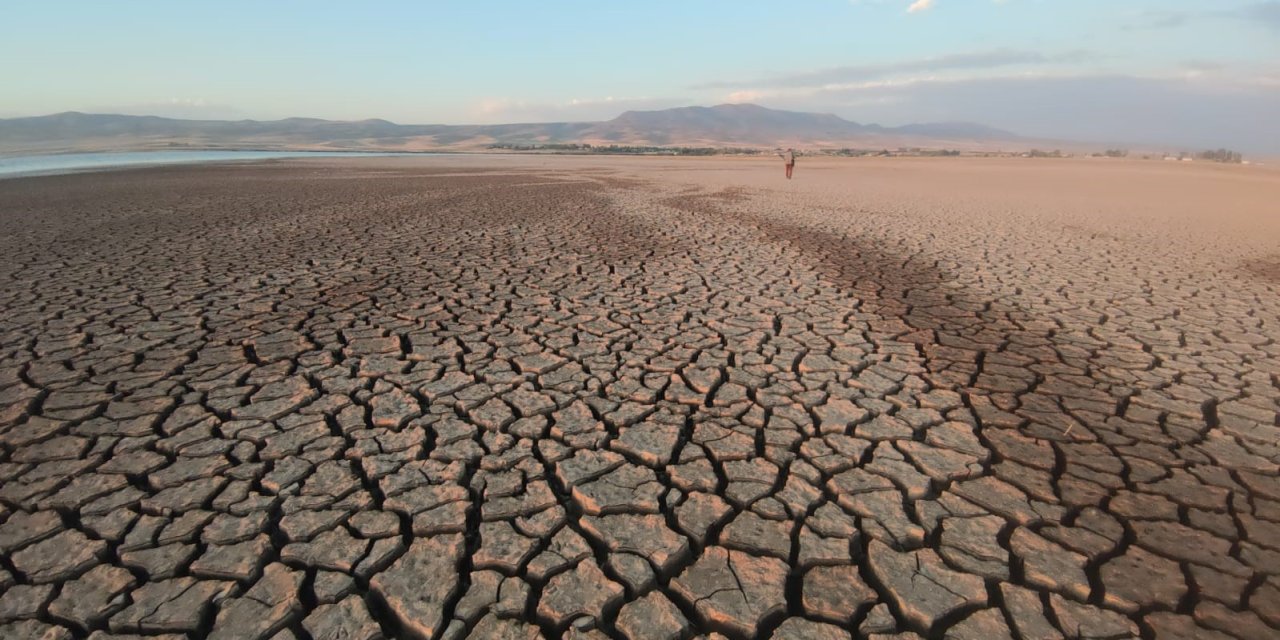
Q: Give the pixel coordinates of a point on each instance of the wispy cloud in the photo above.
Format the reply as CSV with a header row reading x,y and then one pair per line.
x,y
505,109
859,73
1264,13
1183,111
1157,19
185,108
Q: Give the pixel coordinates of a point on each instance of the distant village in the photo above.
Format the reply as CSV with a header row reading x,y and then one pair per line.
x,y
1225,156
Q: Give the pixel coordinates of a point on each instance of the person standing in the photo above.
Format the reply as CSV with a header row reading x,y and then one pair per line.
x,y
789,158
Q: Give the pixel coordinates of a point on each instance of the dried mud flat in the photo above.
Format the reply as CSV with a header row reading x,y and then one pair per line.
x,y
640,398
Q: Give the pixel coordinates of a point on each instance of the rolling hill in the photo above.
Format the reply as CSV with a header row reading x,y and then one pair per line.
x,y
723,125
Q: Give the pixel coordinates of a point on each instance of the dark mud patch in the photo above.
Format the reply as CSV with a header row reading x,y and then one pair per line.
x,y
1266,269
707,203
907,296
1091,233
618,182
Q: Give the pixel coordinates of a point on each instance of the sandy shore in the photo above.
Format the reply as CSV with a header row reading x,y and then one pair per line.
x,y
642,397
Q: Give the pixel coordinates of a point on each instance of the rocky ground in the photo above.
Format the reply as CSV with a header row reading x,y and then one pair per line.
x,y
512,398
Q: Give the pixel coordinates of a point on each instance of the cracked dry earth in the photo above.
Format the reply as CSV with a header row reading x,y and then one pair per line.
x,y
523,398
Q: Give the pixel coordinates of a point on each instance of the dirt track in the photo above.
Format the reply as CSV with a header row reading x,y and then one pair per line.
x,y
641,398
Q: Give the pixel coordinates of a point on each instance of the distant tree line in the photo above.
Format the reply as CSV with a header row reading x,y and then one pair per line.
x,y
1221,155
614,149
885,153
1213,155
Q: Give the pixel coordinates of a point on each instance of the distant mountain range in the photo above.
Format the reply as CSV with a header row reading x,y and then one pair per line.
x,y
755,125
743,125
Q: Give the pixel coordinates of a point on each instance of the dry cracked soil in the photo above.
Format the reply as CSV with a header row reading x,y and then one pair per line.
x,y
640,398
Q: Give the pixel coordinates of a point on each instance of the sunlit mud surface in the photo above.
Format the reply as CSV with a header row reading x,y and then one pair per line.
x,y
604,398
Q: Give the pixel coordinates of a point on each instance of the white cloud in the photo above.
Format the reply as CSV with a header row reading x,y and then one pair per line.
x,y
916,6
920,6
747,95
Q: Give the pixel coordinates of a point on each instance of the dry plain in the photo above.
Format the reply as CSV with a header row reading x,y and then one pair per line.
x,y
489,396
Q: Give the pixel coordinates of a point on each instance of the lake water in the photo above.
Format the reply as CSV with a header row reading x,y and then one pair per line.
x,y
75,162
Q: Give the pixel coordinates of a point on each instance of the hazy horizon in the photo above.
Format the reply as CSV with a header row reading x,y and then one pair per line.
x,y
1150,72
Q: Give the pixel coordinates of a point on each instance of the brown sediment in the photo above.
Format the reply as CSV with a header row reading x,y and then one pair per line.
x,y
541,396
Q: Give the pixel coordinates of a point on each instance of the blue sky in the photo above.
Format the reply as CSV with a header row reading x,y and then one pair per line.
x,y
1198,71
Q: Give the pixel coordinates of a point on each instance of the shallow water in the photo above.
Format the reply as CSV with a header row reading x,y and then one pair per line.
x,y
75,162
